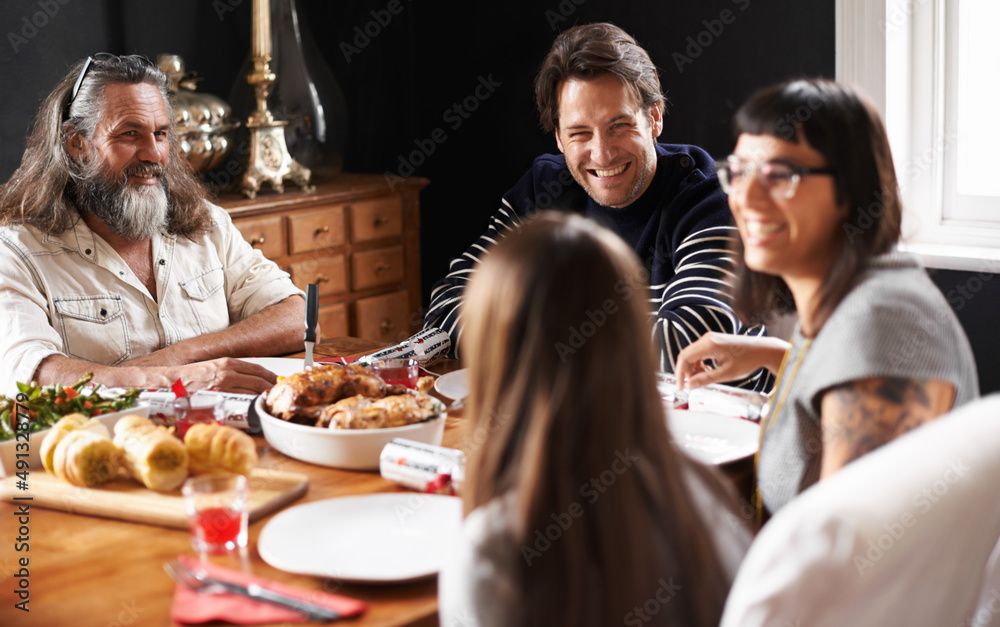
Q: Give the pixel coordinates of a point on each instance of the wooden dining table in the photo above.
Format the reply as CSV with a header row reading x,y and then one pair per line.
x,y
87,570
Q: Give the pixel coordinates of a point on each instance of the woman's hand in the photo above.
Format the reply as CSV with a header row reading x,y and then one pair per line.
x,y
716,357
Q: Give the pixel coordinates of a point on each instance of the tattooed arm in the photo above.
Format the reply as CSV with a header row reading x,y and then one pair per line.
x,y
862,415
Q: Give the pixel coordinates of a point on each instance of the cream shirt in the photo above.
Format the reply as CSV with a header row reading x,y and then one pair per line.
x,y
72,294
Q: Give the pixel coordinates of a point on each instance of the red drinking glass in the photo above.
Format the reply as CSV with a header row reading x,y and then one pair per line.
x,y
399,371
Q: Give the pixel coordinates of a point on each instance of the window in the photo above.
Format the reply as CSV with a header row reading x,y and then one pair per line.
x,y
932,66
974,95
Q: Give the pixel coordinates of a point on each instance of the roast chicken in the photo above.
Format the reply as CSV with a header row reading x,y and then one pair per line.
x,y
302,396
359,412
348,396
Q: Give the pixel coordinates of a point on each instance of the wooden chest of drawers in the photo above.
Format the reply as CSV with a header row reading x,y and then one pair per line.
x,y
355,237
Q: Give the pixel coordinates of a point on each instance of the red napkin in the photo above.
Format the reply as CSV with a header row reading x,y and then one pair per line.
x,y
190,607
178,388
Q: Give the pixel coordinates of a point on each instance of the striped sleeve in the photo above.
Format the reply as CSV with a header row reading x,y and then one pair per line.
x,y
446,296
696,301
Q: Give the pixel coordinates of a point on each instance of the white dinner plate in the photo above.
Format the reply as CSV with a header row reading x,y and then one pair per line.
x,y
713,438
281,366
454,385
373,538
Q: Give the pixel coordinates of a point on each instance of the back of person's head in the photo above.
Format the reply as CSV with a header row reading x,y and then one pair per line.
x,y
844,127
564,413
586,52
38,192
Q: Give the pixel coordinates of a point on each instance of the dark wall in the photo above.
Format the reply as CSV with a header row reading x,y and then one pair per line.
x,y
974,297
424,59
711,55
419,60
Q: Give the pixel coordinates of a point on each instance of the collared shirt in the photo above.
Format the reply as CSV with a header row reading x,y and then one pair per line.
x,y
72,294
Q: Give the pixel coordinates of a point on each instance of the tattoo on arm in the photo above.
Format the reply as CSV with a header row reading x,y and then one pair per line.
x,y
862,415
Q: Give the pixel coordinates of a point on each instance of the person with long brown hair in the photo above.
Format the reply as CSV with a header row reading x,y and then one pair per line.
x,y
580,508
877,350
111,259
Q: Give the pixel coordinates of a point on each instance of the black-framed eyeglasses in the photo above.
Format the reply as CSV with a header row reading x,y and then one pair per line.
x,y
100,56
778,177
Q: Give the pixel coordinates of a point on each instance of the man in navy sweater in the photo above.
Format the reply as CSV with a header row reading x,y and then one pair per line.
x,y
599,93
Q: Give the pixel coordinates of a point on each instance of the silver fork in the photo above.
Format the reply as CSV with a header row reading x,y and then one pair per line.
x,y
202,583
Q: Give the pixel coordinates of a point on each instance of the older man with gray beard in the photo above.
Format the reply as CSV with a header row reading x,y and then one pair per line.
x,y
113,261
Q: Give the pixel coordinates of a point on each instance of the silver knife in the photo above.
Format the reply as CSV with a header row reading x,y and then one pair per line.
x,y
203,583
312,315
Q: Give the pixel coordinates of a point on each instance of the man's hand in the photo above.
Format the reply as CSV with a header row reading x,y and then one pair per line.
x,y
716,357
224,374
203,362
274,330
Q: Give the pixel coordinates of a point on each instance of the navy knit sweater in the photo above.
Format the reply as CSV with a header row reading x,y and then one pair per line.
x,y
680,228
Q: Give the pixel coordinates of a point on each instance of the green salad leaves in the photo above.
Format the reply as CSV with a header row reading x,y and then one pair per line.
x,y
44,405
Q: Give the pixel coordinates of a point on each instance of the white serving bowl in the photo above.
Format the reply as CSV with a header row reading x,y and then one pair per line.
x,y
8,448
352,449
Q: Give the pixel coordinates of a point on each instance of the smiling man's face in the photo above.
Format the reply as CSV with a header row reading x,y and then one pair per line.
x,y
608,138
122,178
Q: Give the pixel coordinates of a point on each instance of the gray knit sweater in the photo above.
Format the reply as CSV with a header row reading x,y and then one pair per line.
x,y
893,323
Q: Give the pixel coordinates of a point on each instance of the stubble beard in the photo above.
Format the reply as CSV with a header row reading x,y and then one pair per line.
x,y
636,186
135,212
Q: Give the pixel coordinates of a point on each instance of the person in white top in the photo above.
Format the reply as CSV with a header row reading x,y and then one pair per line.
x,y
113,261
580,509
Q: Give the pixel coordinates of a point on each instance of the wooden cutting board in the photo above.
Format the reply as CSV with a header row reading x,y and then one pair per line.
x,y
126,500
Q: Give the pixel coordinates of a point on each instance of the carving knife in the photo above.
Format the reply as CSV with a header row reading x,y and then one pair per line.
x,y
312,313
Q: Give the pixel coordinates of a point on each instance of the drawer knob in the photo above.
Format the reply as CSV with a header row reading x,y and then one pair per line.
x,y
382,267
325,229
322,278
257,240
386,327
379,220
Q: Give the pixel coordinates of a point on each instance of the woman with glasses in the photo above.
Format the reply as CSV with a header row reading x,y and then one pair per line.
x,y
877,350
580,509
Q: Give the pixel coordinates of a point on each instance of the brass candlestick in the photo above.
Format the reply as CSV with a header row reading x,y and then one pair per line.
x,y
269,158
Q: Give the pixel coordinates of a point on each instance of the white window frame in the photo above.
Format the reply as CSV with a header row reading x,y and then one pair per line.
x,y
916,123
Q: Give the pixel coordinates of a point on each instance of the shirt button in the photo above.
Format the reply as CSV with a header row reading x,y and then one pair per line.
x,y
163,262
87,251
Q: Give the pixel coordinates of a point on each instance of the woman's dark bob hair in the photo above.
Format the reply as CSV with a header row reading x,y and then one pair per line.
x,y
846,129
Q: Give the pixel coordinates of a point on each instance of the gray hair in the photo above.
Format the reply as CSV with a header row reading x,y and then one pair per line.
x,y
85,109
40,192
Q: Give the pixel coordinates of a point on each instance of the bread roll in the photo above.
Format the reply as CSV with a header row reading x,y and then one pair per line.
x,y
63,426
85,458
49,446
213,447
153,456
